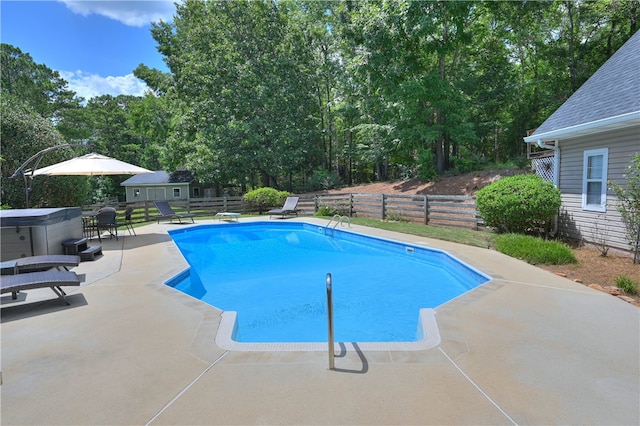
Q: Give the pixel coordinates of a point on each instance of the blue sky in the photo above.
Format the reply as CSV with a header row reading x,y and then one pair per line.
x,y
94,45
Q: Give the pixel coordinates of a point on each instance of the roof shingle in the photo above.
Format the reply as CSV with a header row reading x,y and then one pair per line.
x,y
611,91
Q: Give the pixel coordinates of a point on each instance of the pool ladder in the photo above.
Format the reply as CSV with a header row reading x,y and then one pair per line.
x,y
339,221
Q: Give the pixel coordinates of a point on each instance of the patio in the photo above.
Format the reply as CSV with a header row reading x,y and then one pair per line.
x,y
529,347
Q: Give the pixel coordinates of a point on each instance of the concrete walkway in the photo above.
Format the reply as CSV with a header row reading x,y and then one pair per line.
x,y
529,347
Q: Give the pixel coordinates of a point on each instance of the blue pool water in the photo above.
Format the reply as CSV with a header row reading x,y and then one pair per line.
x,y
273,275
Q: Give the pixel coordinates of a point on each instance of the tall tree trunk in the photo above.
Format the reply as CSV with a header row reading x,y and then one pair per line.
x,y
322,130
440,158
329,127
265,178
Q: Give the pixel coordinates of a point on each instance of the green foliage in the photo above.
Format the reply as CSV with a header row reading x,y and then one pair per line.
x,y
534,250
629,200
396,217
519,204
328,211
263,199
244,96
35,85
323,179
23,134
627,284
427,168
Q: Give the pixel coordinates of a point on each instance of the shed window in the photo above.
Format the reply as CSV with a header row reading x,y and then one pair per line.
x,y
594,180
176,192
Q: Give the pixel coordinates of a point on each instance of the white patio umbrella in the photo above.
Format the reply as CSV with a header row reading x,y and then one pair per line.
x,y
90,165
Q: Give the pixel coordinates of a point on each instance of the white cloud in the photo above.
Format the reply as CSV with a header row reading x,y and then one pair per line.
x,y
132,13
91,85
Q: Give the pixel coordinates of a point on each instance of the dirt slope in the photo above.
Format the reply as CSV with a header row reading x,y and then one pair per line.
x,y
464,184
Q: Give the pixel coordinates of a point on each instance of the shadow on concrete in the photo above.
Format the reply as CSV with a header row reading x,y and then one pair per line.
x,y
41,307
343,354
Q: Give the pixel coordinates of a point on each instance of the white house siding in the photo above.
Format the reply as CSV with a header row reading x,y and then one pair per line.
x,y
590,226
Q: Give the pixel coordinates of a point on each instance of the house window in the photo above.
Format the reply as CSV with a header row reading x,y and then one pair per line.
x,y
196,192
136,192
176,192
594,180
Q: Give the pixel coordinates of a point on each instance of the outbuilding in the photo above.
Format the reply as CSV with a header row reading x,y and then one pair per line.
x,y
160,185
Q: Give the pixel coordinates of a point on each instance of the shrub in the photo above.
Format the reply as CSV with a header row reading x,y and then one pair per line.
x,y
327,211
534,250
396,217
629,201
518,203
626,284
330,210
262,199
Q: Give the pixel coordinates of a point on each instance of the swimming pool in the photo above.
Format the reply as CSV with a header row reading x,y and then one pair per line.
x,y
272,274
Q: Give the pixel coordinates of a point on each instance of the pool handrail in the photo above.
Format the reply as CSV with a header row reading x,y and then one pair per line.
x,y
339,221
330,323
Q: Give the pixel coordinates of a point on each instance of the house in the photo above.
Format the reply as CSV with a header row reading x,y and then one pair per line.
x,y
591,139
160,185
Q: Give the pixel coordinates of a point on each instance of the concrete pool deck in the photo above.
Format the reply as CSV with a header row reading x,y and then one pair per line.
x,y
529,347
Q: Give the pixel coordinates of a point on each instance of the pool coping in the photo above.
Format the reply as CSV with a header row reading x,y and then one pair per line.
x,y
427,325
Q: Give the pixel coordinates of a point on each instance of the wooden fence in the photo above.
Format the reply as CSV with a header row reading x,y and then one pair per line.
x,y
444,210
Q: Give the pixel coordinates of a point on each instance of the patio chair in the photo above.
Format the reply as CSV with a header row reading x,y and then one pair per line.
x,y
32,280
106,220
166,212
288,208
39,263
127,223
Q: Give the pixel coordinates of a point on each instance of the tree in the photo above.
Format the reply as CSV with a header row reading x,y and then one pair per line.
x,y
34,84
243,97
25,133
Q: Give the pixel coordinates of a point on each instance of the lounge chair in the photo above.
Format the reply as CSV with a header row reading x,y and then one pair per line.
x,y
166,212
40,263
32,280
288,208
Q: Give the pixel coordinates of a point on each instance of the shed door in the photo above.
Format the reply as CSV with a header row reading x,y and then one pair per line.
x,y
156,194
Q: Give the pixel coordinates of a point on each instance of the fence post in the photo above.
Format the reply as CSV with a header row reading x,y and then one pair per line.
x,y
426,209
350,204
382,208
147,216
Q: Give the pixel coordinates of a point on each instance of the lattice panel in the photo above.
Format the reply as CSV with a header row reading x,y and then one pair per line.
x,y
544,167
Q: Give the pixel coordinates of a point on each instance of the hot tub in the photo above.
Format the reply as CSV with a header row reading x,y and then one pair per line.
x,y
30,232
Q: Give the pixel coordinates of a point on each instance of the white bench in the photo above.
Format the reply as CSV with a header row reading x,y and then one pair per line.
x,y
228,216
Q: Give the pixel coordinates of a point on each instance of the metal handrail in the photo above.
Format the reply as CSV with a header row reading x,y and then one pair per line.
x,y
339,221
330,322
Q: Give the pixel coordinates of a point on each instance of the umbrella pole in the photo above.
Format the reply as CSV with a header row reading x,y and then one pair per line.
x,y
28,179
